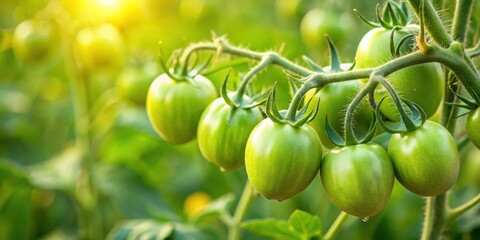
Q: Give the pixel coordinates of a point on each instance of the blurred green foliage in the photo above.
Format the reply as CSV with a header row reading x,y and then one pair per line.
x,y
139,179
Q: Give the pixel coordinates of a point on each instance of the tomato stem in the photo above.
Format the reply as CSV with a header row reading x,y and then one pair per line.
x,y
454,213
266,60
335,227
243,205
432,22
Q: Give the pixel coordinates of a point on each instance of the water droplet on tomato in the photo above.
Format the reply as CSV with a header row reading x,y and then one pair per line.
x,y
365,219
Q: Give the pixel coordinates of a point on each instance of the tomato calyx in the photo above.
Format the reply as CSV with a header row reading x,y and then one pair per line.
x,y
300,118
467,104
349,138
408,122
392,15
243,101
175,72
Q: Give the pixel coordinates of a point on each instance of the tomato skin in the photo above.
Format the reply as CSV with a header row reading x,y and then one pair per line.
x,y
174,107
358,179
33,40
426,160
100,47
422,84
472,127
223,133
282,160
334,100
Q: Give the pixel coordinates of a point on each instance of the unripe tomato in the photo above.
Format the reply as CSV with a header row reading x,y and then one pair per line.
x,y
422,84
133,83
472,127
174,107
33,40
334,100
282,160
100,47
358,179
426,160
223,133
317,22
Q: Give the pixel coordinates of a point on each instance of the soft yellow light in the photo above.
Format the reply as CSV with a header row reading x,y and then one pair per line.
x,y
108,2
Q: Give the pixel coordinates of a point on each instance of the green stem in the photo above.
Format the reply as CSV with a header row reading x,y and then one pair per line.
x,y
335,227
475,51
432,22
428,220
454,213
348,124
266,60
463,9
242,207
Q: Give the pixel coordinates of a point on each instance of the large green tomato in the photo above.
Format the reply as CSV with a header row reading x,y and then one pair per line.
x,y
472,127
282,160
426,160
223,133
33,40
334,99
100,47
174,107
358,179
422,84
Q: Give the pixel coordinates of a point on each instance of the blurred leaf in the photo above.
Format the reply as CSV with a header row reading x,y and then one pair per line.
x,y
272,228
59,173
12,170
217,207
60,234
304,223
15,212
134,198
135,117
141,229
186,232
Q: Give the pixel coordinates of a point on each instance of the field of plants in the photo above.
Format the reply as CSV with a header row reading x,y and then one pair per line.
x,y
211,119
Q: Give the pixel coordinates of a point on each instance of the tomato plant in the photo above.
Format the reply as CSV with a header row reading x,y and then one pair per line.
x,y
422,84
132,83
358,178
281,160
223,132
33,40
174,107
472,126
426,160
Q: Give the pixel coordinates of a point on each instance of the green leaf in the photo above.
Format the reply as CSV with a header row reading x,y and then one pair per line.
x,y
59,173
305,224
272,228
12,171
217,207
186,232
141,229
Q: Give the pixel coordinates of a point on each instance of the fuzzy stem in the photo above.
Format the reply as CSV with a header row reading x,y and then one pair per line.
x,y
335,227
454,213
242,208
428,220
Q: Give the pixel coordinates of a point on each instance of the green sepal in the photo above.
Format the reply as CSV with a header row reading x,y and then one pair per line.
x,y
223,65
224,93
334,57
401,42
333,136
470,105
312,64
272,110
416,119
306,118
381,20
392,42
203,66
402,12
254,103
371,23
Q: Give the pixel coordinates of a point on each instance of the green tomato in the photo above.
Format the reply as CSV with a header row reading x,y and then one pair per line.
x,y
334,99
33,40
100,47
282,160
223,133
133,83
472,127
317,22
358,179
422,84
426,160
174,107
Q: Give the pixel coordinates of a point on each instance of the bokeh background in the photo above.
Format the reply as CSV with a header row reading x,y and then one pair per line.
x,y
136,175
